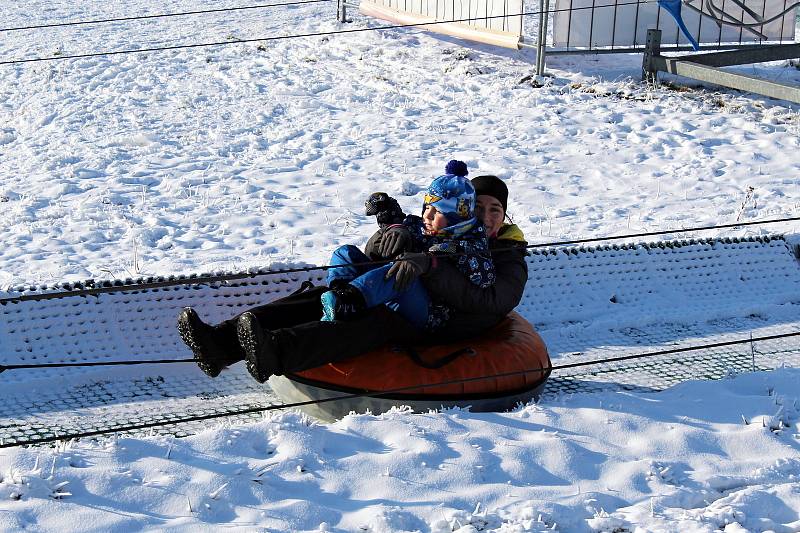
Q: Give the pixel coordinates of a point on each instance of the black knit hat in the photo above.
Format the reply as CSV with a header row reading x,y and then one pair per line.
x,y
492,186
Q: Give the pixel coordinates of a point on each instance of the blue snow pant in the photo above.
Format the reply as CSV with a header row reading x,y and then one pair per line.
x,y
412,303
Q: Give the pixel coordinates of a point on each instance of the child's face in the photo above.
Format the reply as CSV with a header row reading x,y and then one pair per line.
x,y
434,220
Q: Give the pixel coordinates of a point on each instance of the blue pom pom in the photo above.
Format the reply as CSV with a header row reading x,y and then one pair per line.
x,y
456,168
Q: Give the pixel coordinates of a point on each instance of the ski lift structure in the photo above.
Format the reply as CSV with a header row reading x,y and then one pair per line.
x,y
739,32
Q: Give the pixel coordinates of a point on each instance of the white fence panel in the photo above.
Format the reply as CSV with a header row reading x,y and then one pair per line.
x,y
490,21
619,23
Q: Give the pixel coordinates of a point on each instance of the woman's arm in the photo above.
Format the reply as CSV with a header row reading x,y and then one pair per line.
x,y
448,284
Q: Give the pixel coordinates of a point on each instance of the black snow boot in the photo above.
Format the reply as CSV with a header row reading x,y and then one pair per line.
x,y
209,348
260,351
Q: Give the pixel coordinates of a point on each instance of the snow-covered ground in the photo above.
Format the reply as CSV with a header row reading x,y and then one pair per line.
x,y
701,457
261,153
216,158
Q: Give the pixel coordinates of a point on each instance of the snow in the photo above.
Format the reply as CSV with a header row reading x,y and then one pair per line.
x,y
681,460
224,157
256,154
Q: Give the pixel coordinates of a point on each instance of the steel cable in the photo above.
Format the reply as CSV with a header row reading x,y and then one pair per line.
x,y
303,35
30,366
539,370
161,15
130,285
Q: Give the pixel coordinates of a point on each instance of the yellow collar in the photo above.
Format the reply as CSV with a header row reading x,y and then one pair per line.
x,y
510,232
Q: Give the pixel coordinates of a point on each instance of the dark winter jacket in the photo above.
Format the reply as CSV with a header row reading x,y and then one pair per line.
x,y
473,310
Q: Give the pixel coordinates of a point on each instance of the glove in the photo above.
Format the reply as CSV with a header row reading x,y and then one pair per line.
x,y
385,207
394,241
408,268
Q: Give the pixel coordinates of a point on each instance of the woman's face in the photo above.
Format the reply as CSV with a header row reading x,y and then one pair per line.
x,y
433,220
489,210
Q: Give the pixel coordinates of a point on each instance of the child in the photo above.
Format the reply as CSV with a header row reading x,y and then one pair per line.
x,y
447,231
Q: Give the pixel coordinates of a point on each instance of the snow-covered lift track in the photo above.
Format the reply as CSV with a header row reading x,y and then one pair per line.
x,y
588,303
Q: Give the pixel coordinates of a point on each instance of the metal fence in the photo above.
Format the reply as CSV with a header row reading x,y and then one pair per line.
x,y
598,26
618,26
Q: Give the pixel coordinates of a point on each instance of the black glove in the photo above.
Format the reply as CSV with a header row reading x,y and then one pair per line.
x,y
386,208
395,241
407,268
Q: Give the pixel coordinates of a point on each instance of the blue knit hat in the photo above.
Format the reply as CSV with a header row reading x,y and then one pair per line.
x,y
456,167
453,196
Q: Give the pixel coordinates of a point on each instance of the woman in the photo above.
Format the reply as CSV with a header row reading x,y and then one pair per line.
x,y
479,309
288,336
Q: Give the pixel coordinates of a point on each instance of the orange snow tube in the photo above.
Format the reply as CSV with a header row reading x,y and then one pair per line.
x,y
506,365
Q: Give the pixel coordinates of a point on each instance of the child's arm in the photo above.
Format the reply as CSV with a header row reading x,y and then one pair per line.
x,y
385,208
393,238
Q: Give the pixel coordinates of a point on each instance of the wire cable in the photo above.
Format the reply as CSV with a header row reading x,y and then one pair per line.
x,y
539,370
161,15
109,287
301,35
3,368
663,232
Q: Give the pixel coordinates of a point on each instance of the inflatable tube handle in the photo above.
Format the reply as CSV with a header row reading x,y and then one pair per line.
x,y
438,363
306,285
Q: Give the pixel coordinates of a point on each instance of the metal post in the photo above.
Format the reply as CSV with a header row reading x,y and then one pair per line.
x,y
541,42
539,38
544,33
341,10
652,49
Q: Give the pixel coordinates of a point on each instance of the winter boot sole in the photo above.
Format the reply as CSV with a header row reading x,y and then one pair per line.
x,y
188,323
257,347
